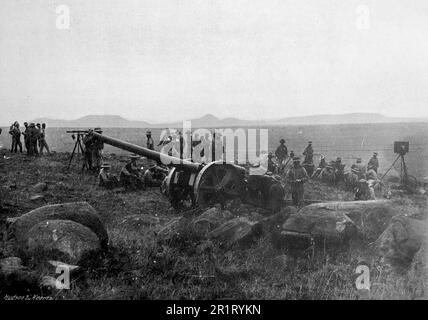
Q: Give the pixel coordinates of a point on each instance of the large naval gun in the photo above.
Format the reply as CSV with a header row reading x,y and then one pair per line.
x,y
204,185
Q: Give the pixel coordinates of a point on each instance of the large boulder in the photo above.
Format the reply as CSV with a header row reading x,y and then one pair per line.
x,y
63,240
371,217
399,243
239,231
317,225
80,212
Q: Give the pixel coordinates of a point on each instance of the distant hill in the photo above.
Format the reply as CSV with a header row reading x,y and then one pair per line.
x,y
92,121
210,121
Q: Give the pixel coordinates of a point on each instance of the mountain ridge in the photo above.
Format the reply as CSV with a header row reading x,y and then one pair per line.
x,y
209,121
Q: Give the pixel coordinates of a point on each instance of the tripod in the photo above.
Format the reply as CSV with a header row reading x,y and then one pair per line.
x,y
403,169
77,146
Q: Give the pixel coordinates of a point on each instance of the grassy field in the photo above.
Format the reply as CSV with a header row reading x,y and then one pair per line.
x,y
138,266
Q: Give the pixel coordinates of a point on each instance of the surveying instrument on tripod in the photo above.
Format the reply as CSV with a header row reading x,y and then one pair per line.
x,y
78,135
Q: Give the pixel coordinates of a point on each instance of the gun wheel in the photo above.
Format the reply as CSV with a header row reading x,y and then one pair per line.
x,y
218,182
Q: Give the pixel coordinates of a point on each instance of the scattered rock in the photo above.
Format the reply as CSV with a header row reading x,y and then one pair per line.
x,y
40,187
138,220
371,217
171,229
237,231
399,243
61,240
10,265
210,219
80,212
274,222
316,224
204,246
37,197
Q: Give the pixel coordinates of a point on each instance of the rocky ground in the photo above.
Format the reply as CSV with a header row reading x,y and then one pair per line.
x,y
154,252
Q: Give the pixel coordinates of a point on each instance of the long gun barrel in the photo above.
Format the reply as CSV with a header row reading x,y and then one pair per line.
x,y
151,154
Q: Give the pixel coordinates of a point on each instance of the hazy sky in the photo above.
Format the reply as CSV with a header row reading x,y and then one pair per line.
x,y
169,60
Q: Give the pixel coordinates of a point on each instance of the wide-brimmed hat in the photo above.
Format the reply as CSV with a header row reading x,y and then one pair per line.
x,y
375,153
295,159
32,124
98,129
310,142
148,132
134,156
359,159
106,166
282,141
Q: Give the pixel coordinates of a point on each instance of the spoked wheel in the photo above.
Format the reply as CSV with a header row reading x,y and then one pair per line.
x,y
218,182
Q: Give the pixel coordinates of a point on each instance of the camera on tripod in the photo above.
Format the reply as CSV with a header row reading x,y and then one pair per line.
x,y
401,147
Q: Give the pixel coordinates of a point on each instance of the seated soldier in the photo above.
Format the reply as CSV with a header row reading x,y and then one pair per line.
x,y
154,176
130,175
351,179
321,166
328,174
106,179
372,180
360,167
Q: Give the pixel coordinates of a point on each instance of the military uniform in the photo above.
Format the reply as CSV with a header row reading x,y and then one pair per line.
x,y
309,154
42,140
106,179
374,162
297,176
16,138
281,152
33,137
130,175
150,144
26,135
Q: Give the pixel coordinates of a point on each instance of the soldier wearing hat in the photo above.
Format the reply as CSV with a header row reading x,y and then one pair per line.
x,y
309,154
281,152
297,176
42,139
322,164
97,147
33,137
271,164
26,135
131,176
150,142
16,137
373,162
328,173
351,179
360,168
106,179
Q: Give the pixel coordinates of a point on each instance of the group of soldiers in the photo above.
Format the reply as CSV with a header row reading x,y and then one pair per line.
x,y
361,179
131,176
34,138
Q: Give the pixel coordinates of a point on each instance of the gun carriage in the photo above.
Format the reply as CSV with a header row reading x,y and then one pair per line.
x,y
201,184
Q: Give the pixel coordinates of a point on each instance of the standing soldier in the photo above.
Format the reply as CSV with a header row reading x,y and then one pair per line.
x,y
373,162
309,153
281,152
16,138
297,176
87,141
33,137
97,147
106,179
26,135
271,165
361,169
150,143
42,139
39,129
